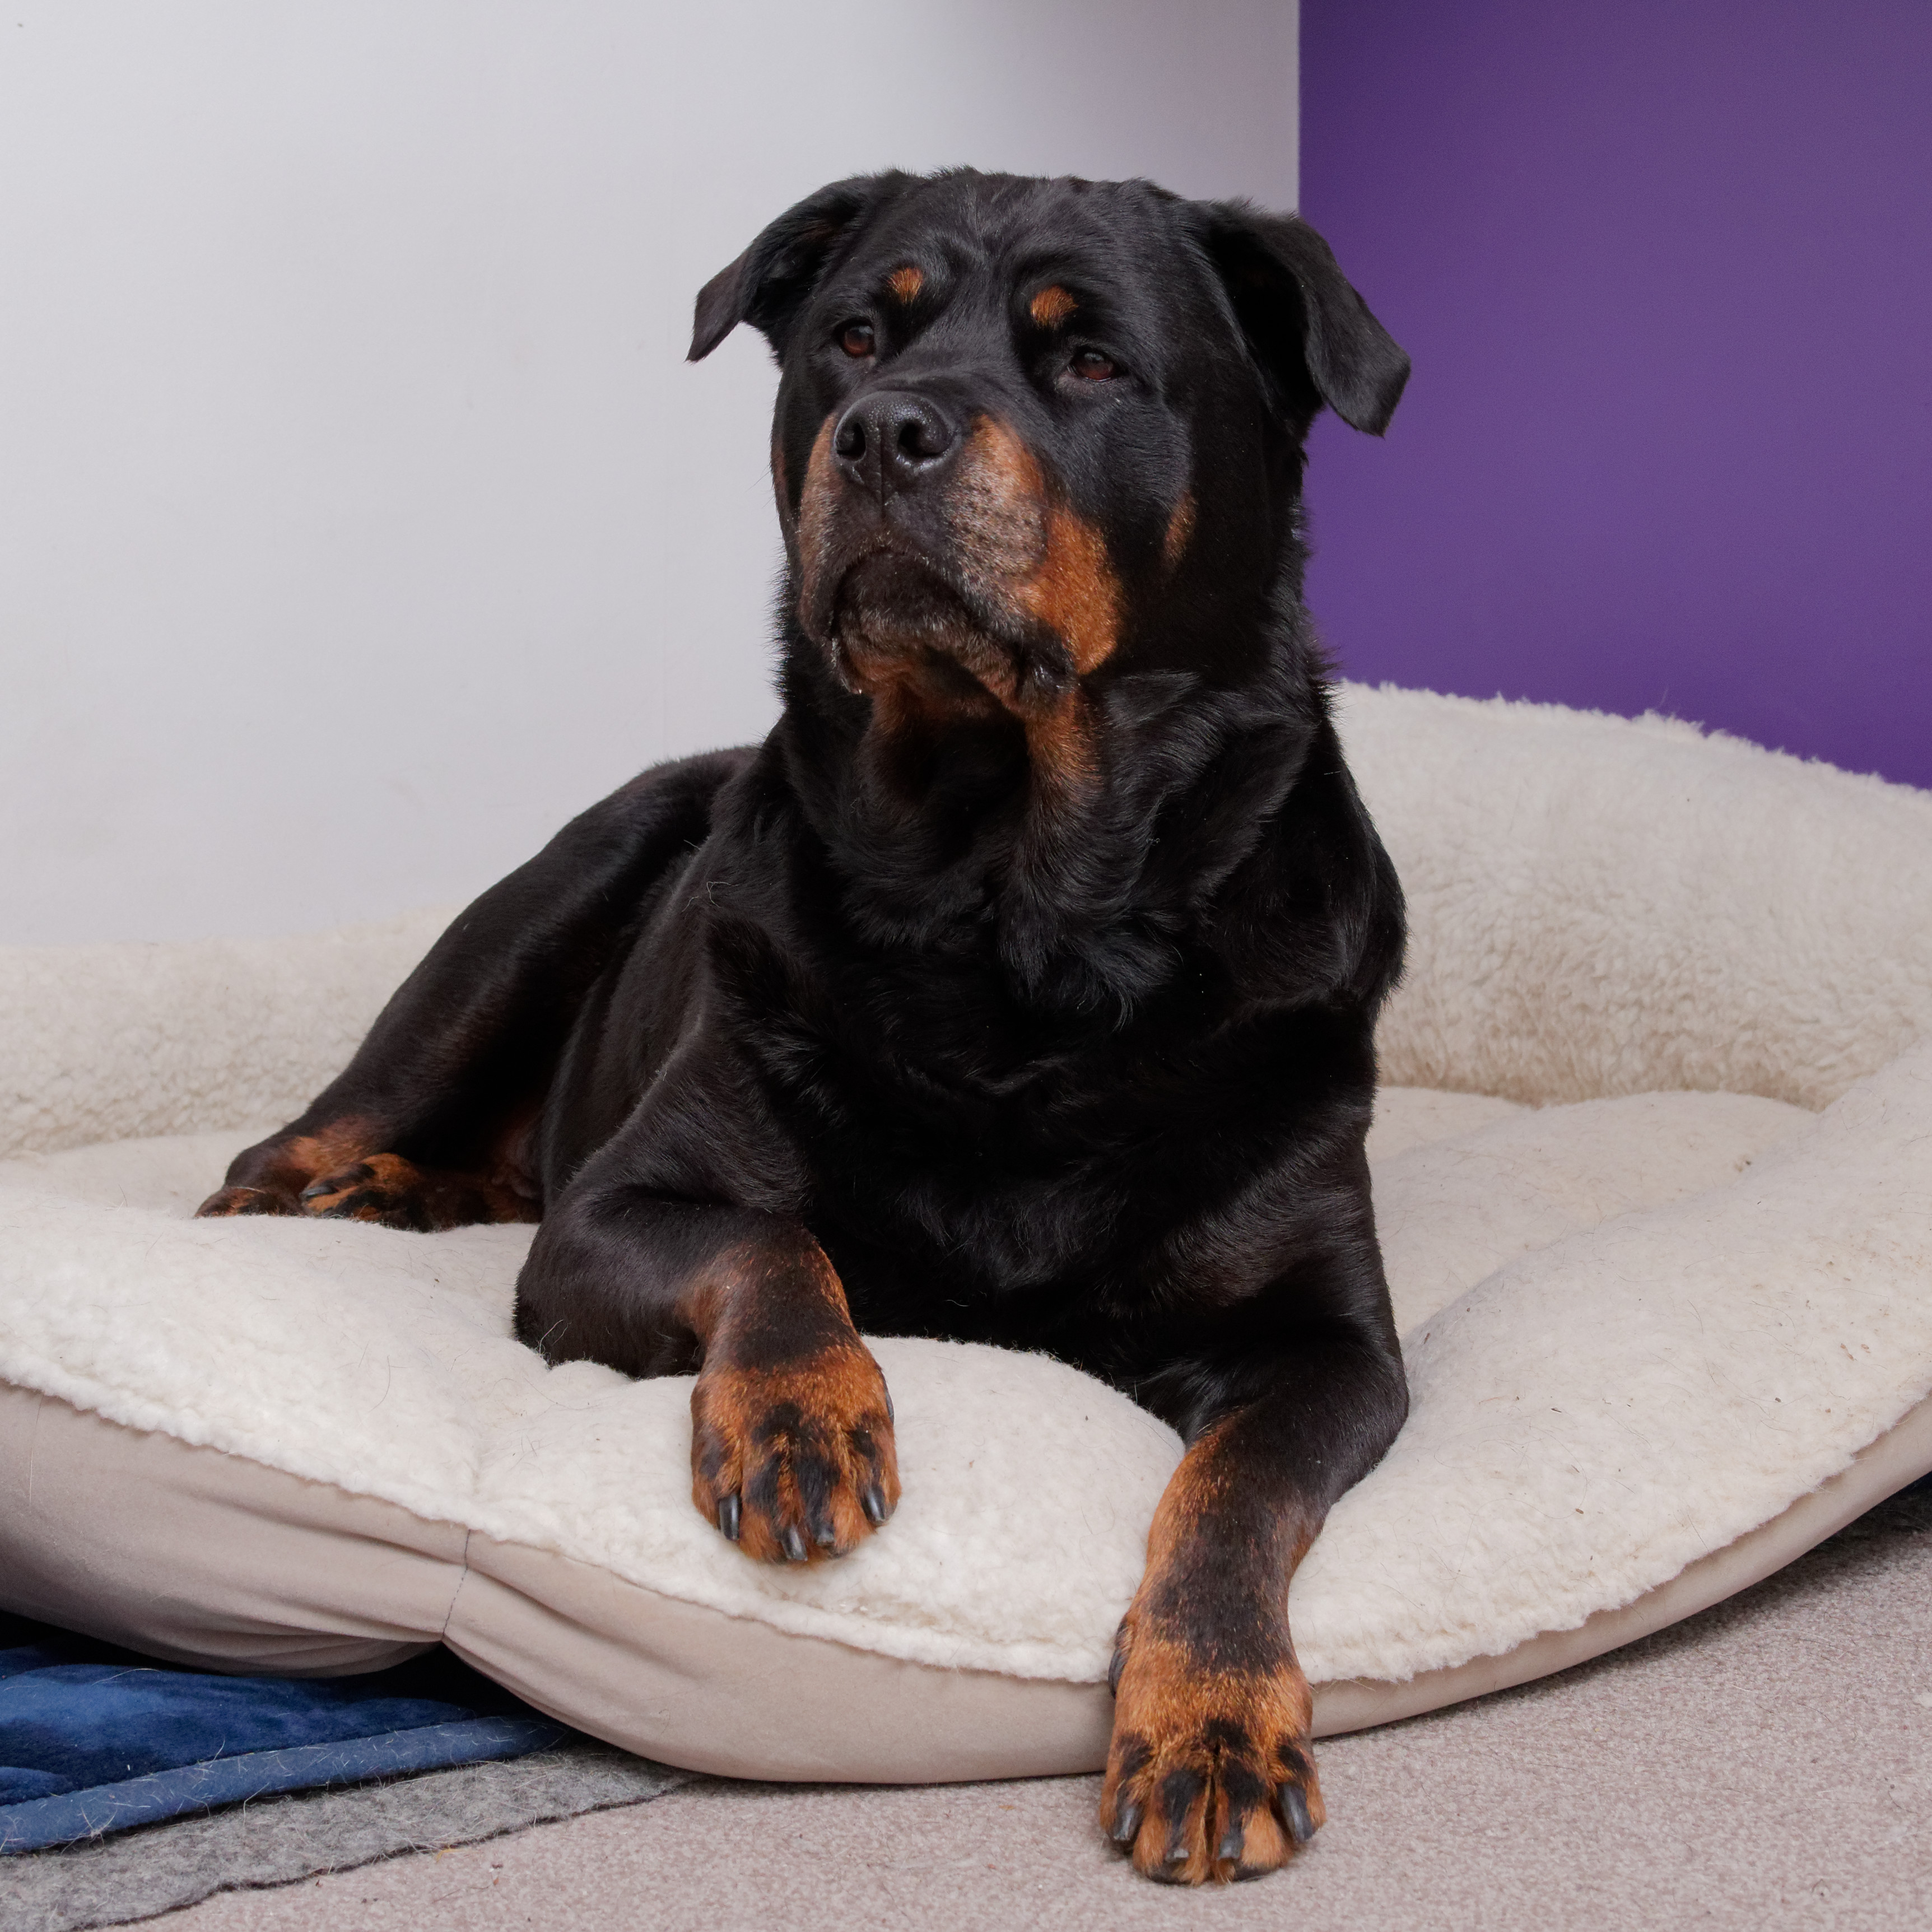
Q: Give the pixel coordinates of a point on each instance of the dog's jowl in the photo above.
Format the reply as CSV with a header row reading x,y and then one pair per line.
x,y
1020,987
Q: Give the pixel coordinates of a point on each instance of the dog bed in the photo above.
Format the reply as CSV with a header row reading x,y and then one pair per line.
x,y
1653,1170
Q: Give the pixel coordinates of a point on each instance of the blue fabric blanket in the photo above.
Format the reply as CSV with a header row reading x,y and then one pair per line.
x,y
94,1739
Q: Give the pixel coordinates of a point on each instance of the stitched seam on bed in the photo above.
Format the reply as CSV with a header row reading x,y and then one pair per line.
x,y
462,1577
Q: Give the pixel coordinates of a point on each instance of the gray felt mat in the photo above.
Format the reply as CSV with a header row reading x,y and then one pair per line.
x,y
276,1840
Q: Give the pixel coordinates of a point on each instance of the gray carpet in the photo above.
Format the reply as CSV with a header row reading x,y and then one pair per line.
x,y
274,1840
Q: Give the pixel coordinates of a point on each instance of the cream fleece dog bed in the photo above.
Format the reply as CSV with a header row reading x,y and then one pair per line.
x,y
1653,1170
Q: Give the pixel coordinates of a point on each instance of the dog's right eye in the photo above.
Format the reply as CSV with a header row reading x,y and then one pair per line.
x,y
855,338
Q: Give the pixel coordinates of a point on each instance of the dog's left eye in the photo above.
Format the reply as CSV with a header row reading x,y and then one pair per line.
x,y
1091,365
855,338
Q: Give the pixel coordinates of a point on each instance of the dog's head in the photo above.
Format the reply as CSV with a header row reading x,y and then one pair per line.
x,y
1028,430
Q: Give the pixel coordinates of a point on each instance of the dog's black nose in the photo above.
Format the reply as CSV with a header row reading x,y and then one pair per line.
x,y
891,440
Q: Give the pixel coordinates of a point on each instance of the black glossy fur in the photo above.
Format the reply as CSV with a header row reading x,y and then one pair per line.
x,y
1027,973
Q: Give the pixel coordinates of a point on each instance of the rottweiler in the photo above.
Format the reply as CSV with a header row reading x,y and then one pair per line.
x,y
1020,988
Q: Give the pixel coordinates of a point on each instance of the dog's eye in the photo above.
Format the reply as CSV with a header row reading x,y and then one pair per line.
x,y
1090,364
855,338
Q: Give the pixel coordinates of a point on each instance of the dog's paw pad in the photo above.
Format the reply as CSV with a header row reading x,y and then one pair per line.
x,y
226,1202
384,1189
797,1463
1210,1776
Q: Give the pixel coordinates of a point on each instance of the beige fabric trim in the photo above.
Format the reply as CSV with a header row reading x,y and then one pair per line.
x,y
693,1687
206,1558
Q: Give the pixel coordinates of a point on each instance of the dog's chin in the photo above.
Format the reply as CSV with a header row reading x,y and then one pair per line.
x,y
895,621
889,599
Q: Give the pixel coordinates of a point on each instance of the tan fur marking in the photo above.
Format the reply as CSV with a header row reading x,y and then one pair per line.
x,y
909,699
1059,742
364,1190
385,1174
1179,532
386,1189
906,282
1235,1729
277,1172
998,510
1074,591
1170,1715
815,504
1051,306
827,1411
722,1303
226,1202
1024,549
774,1426
1014,547
314,1155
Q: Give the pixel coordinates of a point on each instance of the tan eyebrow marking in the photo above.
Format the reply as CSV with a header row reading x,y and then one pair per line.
x,y
1051,306
906,282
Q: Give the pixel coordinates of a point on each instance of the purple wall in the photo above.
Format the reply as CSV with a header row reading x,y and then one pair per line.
x,y
1665,269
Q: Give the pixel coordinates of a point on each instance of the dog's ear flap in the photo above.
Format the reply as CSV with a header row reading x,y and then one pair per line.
x,y
1311,332
769,283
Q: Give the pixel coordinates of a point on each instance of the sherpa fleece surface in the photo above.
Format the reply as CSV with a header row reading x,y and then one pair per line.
x,y
1653,1176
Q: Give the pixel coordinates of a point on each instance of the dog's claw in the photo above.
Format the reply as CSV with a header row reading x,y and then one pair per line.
x,y
1215,1760
797,1447
225,1202
336,1183
1126,1822
1293,1806
729,1512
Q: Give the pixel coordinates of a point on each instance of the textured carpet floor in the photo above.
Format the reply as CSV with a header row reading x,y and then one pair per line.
x,y
273,1840
1766,1765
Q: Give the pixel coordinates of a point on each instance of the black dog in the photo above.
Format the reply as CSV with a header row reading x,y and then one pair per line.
x,y
1019,987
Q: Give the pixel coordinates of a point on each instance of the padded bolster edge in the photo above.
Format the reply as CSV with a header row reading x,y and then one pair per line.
x,y
694,1687
1901,1456
209,1559
206,1558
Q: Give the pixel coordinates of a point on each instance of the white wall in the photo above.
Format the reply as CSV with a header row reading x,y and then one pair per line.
x,y
359,517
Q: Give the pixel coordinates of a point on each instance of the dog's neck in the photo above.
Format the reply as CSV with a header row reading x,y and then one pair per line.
x,y
1082,877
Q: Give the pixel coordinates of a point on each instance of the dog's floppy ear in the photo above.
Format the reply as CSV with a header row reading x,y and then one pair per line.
x,y
769,283
1311,332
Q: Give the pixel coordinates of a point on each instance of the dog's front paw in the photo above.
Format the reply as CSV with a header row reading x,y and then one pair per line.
x,y
384,1189
1210,1776
225,1202
795,1462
